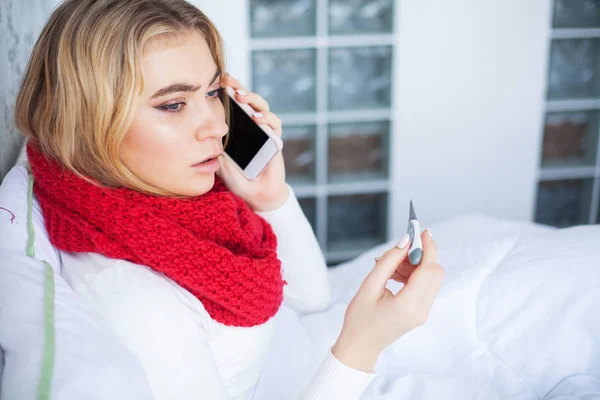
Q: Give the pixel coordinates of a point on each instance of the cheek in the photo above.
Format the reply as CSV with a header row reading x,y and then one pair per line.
x,y
150,145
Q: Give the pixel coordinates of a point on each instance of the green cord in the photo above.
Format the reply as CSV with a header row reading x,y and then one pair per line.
x,y
49,338
30,249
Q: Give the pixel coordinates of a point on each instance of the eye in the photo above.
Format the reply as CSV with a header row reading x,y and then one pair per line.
x,y
174,107
214,93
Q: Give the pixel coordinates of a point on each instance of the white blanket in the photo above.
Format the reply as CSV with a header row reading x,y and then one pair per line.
x,y
518,317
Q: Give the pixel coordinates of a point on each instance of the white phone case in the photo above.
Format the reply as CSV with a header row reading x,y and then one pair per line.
x,y
269,150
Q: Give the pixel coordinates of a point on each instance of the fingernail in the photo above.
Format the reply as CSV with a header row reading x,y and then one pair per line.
x,y
429,232
376,258
403,242
241,92
258,115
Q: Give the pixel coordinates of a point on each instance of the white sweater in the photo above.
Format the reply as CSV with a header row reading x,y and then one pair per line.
x,y
188,355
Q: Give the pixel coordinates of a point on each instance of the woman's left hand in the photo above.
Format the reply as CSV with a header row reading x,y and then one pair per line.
x,y
269,191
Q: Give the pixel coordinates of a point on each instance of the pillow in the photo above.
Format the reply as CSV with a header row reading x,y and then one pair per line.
x,y
89,362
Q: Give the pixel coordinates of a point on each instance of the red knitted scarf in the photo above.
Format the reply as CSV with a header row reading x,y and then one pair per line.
x,y
213,245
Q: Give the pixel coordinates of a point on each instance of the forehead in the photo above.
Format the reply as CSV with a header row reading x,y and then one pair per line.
x,y
177,58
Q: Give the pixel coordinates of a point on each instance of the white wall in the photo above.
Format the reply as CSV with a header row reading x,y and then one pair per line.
x,y
469,95
232,20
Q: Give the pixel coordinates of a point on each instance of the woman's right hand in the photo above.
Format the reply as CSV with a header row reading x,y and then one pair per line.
x,y
376,317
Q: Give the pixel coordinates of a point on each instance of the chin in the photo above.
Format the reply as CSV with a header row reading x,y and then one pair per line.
x,y
199,186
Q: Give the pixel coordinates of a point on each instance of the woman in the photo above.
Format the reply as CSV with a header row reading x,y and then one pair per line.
x,y
186,260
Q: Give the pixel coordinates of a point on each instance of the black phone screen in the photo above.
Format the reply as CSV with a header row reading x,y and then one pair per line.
x,y
246,138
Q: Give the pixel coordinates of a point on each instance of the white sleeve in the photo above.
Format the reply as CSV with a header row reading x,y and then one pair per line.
x,y
336,381
308,290
152,317
303,264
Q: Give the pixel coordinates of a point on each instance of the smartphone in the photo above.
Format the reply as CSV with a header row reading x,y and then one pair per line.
x,y
249,145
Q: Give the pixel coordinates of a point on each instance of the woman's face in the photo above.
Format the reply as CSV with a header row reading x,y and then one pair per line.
x,y
176,136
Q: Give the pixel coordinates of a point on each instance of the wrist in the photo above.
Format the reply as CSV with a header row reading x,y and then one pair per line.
x,y
275,201
354,356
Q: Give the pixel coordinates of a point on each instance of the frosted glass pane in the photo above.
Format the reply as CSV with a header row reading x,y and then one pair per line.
x,y
356,222
570,139
574,69
576,13
360,16
273,18
299,153
564,203
598,219
360,77
286,79
358,151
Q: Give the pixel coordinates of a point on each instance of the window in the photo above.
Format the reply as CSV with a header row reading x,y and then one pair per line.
x,y
325,66
569,184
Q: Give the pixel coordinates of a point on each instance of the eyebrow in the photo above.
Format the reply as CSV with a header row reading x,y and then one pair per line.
x,y
181,87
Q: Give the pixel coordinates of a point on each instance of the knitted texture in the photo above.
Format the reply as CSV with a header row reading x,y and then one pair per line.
x,y
212,245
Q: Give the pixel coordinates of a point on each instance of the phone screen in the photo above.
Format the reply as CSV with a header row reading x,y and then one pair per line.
x,y
246,138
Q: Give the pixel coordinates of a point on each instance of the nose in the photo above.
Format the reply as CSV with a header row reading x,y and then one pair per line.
x,y
211,125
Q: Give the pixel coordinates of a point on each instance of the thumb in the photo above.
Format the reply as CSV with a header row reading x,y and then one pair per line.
x,y
383,271
225,166
228,172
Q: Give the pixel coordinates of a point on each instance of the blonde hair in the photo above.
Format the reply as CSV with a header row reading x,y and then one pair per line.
x,y
79,93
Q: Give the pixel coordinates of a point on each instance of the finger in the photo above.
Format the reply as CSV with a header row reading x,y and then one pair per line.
x,y
254,100
422,285
227,171
376,280
429,248
436,283
406,268
403,271
426,299
398,277
228,80
415,289
223,170
270,119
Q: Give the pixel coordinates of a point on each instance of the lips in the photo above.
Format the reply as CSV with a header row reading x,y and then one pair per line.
x,y
210,165
205,161
208,159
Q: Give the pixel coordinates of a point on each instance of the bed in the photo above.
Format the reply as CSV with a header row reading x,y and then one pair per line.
x,y
518,317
